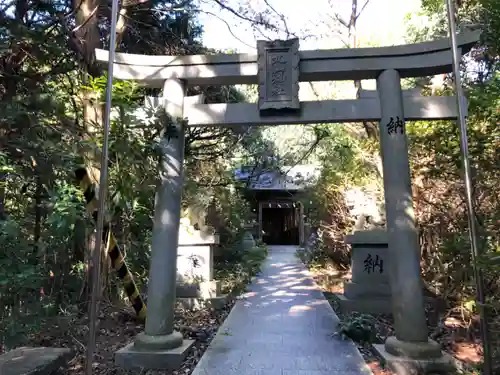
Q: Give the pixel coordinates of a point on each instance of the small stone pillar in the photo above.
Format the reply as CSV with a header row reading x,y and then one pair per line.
x,y
248,240
368,291
410,351
259,234
159,346
254,230
196,286
307,234
302,234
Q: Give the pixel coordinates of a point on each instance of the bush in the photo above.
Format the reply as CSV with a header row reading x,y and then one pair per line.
x,y
39,279
239,267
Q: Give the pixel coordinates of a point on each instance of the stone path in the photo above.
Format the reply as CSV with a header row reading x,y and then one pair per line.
x,y
282,326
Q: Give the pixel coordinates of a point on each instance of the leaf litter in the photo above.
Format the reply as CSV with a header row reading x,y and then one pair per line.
x,y
117,327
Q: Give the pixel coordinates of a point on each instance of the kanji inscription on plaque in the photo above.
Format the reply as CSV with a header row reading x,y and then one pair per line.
x,y
278,76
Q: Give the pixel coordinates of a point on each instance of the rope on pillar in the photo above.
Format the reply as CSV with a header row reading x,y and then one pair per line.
x,y
108,238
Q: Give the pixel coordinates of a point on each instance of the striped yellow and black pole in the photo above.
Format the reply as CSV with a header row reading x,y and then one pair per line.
x,y
114,252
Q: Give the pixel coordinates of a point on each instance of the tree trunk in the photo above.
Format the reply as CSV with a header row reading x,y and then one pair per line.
x,y
87,39
38,213
3,178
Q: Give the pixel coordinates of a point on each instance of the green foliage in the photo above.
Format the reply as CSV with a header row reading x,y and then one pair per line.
x,y
236,267
52,94
322,254
123,92
32,274
346,161
438,178
360,328
437,158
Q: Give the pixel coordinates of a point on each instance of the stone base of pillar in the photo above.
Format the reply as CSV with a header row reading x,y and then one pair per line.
x,y
354,290
194,304
406,358
154,352
366,305
131,358
195,296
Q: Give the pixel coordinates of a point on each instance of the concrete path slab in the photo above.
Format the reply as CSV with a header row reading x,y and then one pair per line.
x,y
282,326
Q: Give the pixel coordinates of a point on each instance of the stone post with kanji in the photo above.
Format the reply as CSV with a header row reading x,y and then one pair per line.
x,y
368,290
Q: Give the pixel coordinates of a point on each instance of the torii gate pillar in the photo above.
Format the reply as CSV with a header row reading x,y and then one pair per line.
x,y
159,346
410,351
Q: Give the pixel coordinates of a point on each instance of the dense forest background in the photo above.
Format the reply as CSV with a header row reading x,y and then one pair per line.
x,y
51,106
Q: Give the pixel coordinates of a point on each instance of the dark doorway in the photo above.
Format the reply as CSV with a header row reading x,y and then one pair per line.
x,y
280,226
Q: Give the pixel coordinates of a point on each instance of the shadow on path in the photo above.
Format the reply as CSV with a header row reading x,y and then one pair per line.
x,y
282,326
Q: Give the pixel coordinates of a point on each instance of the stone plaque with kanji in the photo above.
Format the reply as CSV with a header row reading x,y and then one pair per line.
x,y
278,76
370,264
194,263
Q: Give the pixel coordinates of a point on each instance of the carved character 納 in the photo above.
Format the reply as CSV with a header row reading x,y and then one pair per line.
x,y
372,263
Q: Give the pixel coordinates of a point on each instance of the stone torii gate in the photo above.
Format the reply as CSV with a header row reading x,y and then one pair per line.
x,y
278,68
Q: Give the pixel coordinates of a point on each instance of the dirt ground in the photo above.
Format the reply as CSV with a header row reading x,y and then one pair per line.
x,y
117,328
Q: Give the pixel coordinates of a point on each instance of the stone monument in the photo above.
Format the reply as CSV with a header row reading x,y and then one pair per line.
x,y
196,286
248,240
35,361
369,290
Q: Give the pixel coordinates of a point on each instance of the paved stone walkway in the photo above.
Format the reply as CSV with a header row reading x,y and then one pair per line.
x,y
282,326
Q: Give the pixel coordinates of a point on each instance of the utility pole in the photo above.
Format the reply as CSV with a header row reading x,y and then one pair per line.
x,y
103,182
473,235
